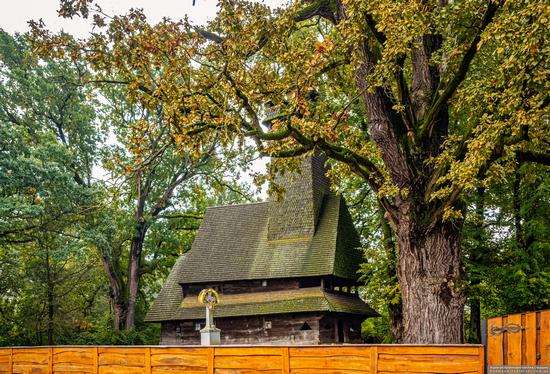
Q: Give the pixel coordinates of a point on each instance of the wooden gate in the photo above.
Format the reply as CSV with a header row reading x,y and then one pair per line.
x,y
521,339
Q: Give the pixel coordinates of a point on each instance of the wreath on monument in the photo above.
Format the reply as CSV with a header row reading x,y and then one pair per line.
x,y
209,297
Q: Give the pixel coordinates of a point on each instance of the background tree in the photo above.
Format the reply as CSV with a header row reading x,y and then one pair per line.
x,y
72,244
47,141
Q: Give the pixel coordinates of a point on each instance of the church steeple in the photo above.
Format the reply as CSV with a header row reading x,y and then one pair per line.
x,y
297,214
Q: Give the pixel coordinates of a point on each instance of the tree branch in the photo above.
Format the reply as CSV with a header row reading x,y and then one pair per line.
x,y
209,35
536,157
428,122
371,23
322,8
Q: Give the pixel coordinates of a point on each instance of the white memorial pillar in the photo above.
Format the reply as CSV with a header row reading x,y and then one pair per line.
x,y
210,335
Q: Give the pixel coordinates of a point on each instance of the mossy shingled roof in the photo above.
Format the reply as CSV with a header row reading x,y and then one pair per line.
x,y
232,244
276,302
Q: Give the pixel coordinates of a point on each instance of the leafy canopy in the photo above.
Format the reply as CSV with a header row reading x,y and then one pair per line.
x,y
299,62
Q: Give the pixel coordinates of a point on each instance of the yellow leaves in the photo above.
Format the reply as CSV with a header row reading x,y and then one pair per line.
x,y
452,214
31,190
324,47
400,108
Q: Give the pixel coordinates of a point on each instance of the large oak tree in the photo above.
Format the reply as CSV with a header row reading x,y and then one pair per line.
x,y
421,99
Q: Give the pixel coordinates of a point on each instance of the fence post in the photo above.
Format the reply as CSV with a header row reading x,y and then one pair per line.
x,y
374,360
50,360
10,365
286,360
96,360
211,368
481,357
484,333
148,360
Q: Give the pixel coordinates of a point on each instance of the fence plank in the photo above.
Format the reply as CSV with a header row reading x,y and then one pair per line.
x,y
495,352
5,360
170,360
450,350
374,360
530,339
329,351
73,359
286,360
514,341
30,360
427,363
96,360
529,347
148,360
211,361
481,358
50,360
544,338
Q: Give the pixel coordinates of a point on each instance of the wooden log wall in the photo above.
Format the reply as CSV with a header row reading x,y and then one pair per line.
x,y
519,339
364,359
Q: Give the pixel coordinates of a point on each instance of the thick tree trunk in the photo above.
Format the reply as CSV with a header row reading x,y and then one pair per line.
x,y
134,270
475,321
395,312
116,293
120,311
429,271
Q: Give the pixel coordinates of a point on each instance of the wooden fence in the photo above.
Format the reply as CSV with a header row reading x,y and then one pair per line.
x,y
350,359
519,339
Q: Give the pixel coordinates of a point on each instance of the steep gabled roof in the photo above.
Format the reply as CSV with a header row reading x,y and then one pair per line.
x,y
232,244
253,241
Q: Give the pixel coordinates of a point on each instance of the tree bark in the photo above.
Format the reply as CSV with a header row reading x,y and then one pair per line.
x,y
430,273
134,272
517,209
116,293
395,310
477,258
429,264
475,321
50,297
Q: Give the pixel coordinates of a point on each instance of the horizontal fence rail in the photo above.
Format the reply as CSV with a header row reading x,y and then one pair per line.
x,y
349,359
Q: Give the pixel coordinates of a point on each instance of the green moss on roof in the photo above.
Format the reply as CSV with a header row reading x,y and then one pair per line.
x,y
232,244
169,298
278,302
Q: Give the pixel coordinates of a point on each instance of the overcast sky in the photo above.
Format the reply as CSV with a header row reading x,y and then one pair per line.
x,y
15,14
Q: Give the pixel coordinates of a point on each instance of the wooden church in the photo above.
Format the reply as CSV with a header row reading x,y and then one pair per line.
x,y
286,271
